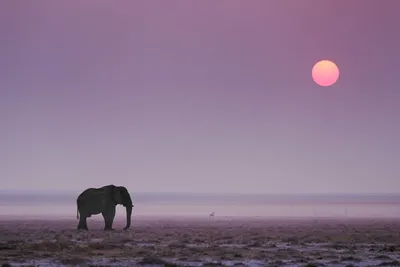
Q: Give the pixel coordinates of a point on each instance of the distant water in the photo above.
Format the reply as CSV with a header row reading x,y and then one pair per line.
x,y
180,204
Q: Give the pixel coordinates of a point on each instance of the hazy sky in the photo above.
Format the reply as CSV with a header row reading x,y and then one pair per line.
x,y
199,96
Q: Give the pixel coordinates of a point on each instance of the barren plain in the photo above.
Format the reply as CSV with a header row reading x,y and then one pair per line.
x,y
201,242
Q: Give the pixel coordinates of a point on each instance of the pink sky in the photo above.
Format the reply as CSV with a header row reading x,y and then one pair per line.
x,y
199,96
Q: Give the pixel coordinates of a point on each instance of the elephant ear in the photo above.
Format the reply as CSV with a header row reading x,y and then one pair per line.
x,y
116,195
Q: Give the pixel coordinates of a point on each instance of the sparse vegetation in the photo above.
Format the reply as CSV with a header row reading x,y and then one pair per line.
x,y
272,243
350,258
151,260
382,257
390,263
73,261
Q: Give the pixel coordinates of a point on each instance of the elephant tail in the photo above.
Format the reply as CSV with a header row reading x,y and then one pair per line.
x,y
77,210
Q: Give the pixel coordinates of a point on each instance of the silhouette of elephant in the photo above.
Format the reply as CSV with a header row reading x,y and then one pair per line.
x,y
103,200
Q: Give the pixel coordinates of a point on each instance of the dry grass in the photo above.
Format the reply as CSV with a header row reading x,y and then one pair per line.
x,y
176,242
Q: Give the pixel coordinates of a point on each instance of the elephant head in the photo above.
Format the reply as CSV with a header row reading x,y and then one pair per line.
x,y
120,195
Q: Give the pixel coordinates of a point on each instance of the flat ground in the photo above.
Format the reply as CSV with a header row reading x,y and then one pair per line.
x,y
184,242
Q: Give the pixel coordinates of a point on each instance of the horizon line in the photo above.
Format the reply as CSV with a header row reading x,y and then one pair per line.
x,y
2,191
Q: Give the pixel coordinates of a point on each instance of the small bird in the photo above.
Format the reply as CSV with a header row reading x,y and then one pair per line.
x,y
212,215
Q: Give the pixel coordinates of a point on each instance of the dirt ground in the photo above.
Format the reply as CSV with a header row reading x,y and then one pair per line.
x,y
202,242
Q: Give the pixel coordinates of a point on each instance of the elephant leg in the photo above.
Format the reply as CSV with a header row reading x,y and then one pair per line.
x,y
82,223
109,216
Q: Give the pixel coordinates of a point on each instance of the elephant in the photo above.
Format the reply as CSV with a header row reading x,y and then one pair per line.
x,y
103,200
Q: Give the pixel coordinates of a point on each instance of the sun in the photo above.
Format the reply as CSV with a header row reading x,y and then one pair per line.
x,y
325,73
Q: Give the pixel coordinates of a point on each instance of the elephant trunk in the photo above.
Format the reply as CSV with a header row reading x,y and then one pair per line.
x,y
128,216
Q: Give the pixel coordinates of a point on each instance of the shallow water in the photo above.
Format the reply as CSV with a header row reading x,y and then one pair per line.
x,y
221,211
181,204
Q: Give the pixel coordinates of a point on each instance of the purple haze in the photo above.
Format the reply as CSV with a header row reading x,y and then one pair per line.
x,y
199,96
